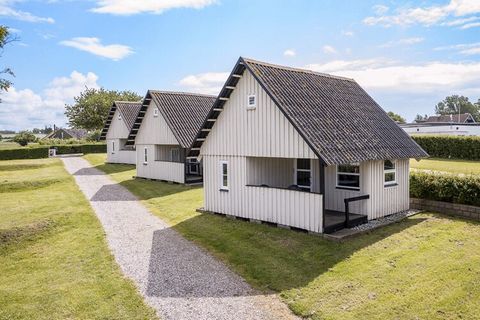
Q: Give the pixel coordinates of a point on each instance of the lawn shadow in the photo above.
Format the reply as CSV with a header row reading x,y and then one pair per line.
x,y
89,172
149,189
271,259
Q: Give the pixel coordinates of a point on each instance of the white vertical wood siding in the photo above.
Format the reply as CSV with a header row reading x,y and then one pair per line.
x,y
161,170
287,207
261,132
154,130
119,156
274,172
118,129
384,200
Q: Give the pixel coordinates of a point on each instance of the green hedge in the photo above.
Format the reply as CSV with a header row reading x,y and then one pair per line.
x,y
445,187
454,147
24,153
42,151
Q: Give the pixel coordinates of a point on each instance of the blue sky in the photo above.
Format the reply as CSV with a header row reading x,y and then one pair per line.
x,y
407,54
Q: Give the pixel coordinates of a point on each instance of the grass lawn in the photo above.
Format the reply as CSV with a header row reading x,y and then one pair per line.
x,y
425,267
447,165
54,259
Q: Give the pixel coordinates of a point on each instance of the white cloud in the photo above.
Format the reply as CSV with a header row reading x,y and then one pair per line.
x,y
392,76
329,49
7,10
405,41
23,109
459,22
209,83
470,25
463,48
94,46
129,7
380,9
348,33
290,53
425,15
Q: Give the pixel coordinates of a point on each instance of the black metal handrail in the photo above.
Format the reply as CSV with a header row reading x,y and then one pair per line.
x,y
347,209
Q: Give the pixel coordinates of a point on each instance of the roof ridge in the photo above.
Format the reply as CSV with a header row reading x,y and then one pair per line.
x,y
278,66
184,93
127,101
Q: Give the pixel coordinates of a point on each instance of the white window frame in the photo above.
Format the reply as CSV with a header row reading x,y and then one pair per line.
x,y
113,147
348,173
119,116
155,112
193,161
177,150
145,155
394,171
222,175
254,105
302,170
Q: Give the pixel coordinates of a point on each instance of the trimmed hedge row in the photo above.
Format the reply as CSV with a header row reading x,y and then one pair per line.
x,y
445,187
455,147
24,153
42,151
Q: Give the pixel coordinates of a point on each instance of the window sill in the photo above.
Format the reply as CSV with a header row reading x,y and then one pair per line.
x,y
346,188
145,163
251,108
390,185
223,190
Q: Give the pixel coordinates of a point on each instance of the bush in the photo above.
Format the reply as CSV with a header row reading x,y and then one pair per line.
x,y
454,147
24,153
94,136
56,142
24,137
445,187
83,148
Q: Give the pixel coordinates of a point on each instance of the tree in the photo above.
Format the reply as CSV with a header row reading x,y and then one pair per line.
x,y
396,117
456,104
90,109
94,135
5,38
420,118
24,137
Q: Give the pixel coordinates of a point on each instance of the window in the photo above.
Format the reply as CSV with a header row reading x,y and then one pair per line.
x,y
251,102
155,112
223,175
389,172
303,174
193,166
175,155
145,155
119,116
113,146
348,176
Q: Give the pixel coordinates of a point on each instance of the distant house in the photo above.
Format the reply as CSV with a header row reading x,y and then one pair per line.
x,y
120,121
290,146
66,133
454,124
164,132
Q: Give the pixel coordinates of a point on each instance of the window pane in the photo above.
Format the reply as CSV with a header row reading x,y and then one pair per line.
x,y
388,165
225,181
348,168
346,180
389,177
303,178
224,168
303,164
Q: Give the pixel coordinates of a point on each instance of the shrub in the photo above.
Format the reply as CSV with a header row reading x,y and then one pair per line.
x,y
24,137
82,148
24,153
445,187
94,136
455,147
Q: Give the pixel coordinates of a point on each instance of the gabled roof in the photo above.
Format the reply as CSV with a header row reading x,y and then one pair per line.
x,y
338,120
78,134
128,110
184,113
455,118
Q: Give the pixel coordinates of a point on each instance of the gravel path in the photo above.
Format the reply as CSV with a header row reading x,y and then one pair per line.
x,y
178,279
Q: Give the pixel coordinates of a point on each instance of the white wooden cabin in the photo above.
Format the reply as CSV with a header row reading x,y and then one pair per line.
x,y
117,127
289,146
163,133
